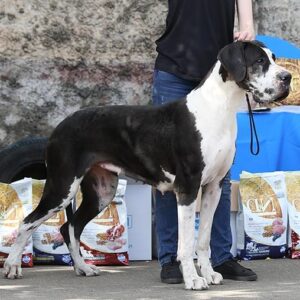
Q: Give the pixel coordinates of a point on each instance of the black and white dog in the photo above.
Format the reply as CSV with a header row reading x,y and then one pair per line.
x,y
182,147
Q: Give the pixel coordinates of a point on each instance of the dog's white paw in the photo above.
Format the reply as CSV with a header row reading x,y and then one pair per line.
x,y
211,276
214,278
195,283
12,270
87,270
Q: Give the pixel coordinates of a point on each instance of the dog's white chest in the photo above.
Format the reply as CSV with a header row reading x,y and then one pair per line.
x,y
217,126
218,153
166,185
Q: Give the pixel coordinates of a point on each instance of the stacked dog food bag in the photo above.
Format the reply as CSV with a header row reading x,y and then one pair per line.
x,y
48,244
104,240
15,205
292,180
262,218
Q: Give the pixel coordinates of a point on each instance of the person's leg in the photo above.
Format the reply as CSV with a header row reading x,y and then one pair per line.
x,y
167,88
167,236
221,240
166,226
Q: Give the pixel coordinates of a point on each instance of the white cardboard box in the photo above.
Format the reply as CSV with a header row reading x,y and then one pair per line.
x,y
138,202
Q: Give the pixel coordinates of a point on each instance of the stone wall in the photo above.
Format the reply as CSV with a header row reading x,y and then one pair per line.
x,y
278,18
59,56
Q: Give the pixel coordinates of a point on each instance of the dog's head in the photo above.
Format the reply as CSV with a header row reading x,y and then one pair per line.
x,y
252,66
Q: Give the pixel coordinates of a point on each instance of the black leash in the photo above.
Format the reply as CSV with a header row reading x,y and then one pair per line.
x,y
252,124
252,129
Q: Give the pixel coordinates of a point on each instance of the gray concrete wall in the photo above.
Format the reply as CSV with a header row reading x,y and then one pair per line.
x,y
59,56
278,18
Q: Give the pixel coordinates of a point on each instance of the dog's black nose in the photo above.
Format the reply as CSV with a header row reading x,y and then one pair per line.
x,y
285,77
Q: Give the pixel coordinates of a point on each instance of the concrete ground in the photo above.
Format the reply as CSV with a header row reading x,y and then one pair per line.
x,y
277,279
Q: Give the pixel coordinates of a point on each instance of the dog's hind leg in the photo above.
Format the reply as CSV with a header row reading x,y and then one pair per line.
x,y
98,190
209,202
55,198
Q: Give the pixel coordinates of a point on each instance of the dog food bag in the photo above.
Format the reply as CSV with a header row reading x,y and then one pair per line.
x,y
48,244
104,240
15,205
292,180
262,217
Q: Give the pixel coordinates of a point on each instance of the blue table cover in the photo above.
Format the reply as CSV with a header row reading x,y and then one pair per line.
x,y
280,47
279,137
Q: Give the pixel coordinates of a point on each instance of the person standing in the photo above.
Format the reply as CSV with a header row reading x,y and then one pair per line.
x,y
195,32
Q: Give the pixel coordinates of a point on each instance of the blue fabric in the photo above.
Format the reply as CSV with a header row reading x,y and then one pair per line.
x,y
278,130
166,88
279,138
280,47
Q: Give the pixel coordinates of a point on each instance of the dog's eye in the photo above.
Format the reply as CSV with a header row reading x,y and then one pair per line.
x,y
260,60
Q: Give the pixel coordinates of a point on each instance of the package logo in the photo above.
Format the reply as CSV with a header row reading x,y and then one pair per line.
x,y
26,259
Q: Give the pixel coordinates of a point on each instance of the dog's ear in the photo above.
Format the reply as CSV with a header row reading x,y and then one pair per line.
x,y
232,58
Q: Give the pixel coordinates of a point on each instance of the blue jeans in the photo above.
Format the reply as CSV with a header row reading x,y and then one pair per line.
x,y
166,88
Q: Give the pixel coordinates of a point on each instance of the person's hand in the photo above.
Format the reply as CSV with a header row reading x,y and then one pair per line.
x,y
245,16
244,35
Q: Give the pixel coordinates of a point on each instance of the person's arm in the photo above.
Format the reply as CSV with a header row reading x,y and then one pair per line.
x,y
245,17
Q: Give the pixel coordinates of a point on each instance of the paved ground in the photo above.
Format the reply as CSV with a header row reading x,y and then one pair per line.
x,y
278,279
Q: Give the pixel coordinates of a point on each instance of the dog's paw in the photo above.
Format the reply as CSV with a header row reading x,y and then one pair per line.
x,y
196,283
213,278
12,270
87,270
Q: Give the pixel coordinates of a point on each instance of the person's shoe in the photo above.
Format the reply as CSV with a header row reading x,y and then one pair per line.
x,y
170,273
231,269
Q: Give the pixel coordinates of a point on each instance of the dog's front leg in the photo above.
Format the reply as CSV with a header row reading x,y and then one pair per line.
x,y
186,225
209,202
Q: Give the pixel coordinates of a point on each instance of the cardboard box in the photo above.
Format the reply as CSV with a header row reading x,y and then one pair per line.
x,y
234,195
138,202
234,209
139,219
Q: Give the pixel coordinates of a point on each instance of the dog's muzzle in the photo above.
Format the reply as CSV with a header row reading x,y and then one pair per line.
x,y
284,79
